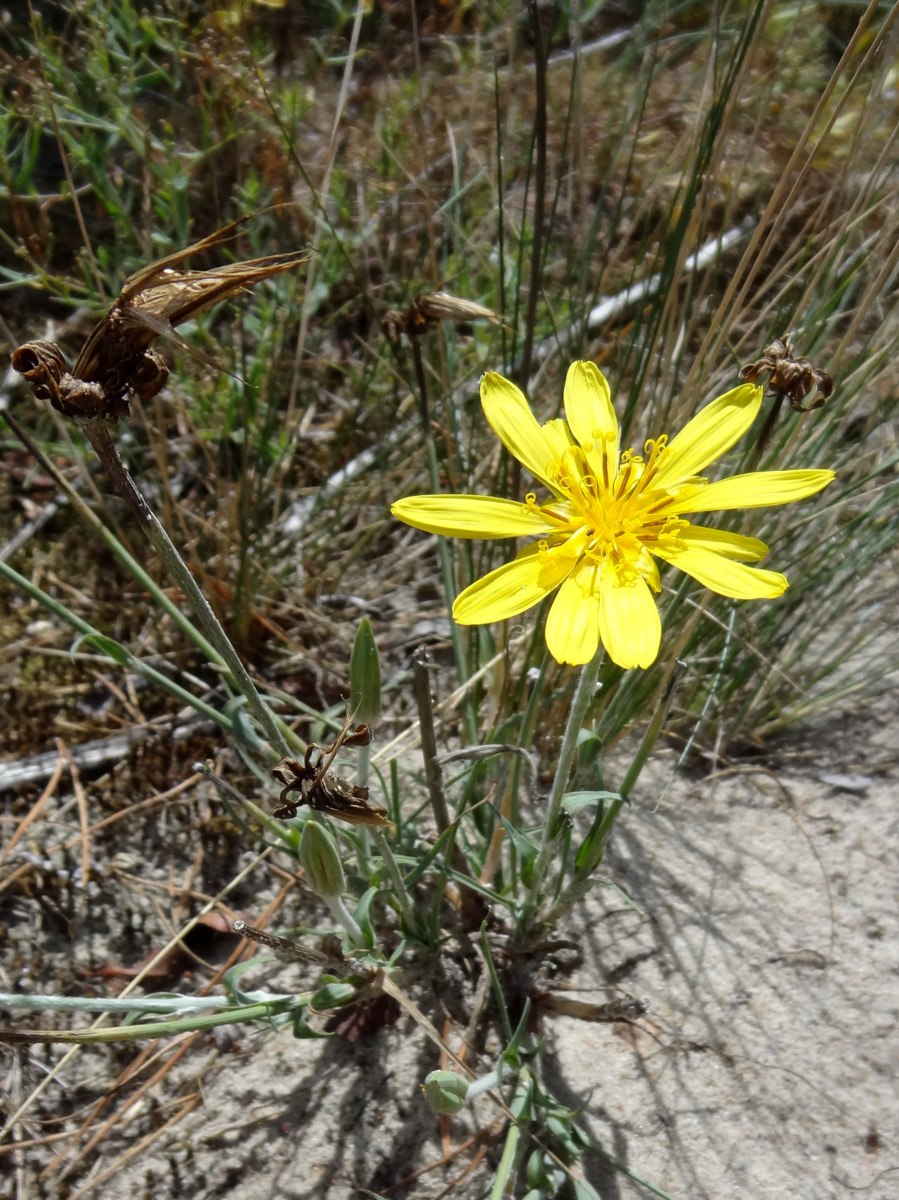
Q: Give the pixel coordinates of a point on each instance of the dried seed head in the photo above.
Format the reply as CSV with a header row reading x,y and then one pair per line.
x,y
425,312
322,789
116,360
789,375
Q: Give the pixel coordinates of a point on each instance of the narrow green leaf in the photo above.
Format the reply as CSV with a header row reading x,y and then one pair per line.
x,y
106,645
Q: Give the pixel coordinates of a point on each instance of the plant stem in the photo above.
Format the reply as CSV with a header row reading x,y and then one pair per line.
x,y
138,1004
641,757
583,694
514,1144
344,917
98,433
539,191
410,914
363,764
130,563
443,551
137,664
491,1080
606,819
421,687
95,1035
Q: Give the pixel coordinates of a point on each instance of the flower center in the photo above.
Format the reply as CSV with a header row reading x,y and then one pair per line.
x,y
615,520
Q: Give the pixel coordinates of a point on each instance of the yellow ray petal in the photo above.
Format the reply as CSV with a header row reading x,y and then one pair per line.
x,y
712,431
629,622
724,576
516,426
558,436
588,407
720,541
572,627
646,566
512,588
754,490
471,516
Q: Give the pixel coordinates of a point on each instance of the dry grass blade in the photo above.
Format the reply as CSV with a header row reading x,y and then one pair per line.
x,y
174,1052
184,1105
36,808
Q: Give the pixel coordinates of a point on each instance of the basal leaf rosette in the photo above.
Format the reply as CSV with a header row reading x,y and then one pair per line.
x,y
609,517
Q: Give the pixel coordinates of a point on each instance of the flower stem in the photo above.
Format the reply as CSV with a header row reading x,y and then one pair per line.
x,y
363,763
412,918
583,694
540,108
443,550
602,831
98,433
344,917
421,687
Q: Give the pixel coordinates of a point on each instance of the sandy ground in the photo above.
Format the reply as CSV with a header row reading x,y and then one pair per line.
x,y
767,1065
770,944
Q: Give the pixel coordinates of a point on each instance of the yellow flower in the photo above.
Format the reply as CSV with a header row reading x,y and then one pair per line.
x,y
608,515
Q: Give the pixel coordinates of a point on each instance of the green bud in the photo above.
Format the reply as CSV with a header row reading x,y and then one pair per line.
x,y
445,1091
365,676
333,995
320,859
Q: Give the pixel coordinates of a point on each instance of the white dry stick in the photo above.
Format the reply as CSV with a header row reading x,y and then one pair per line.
x,y
613,305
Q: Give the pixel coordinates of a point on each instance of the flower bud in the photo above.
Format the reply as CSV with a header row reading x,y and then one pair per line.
x,y
320,859
365,676
445,1091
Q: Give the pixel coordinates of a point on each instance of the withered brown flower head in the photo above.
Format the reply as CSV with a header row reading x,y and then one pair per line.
x,y
789,375
116,360
322,789
427,311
